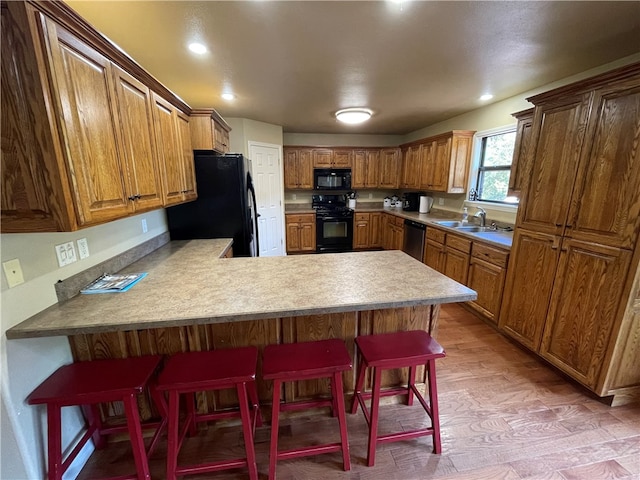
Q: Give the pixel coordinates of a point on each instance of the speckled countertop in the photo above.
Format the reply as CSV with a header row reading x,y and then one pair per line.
x,y
188,284
501,239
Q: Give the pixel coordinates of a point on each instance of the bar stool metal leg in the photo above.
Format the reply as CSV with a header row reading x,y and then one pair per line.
x,y
247,430
135,433
375,410
339,411
275,422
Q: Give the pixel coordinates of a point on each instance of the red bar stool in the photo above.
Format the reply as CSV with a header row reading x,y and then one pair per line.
x,y
303,361
398,350
191,372
87,384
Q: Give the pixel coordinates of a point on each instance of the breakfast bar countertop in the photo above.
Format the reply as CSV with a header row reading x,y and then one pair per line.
x,y
187,284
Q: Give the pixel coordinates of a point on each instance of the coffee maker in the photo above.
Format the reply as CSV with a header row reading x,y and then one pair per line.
x,y
411,201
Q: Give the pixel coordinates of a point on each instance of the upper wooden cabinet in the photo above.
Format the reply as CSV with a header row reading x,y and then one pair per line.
x,y
366,168
298,168
208,130
439,163
79,145
520,163
390,164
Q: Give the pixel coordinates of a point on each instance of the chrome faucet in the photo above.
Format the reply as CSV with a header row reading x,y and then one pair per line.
x,y
482,215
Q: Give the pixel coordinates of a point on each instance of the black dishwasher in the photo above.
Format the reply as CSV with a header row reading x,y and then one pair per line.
x,y
414,233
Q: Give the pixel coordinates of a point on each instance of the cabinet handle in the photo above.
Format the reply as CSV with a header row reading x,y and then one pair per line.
x,y
558,225
132,198
569,226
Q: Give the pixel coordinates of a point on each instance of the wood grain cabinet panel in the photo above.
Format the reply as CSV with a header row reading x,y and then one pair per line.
x,y
390,163
520,164
574,267
487,274
301,232
376,232
298,168
456,262
361,230
322,157
365,171
79,143
411,167
208,130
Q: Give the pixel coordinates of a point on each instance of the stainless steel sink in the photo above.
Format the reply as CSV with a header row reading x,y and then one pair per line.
x,y
449,223
472,228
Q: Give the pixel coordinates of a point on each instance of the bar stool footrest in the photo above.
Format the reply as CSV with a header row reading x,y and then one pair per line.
x,y
210,467
305,404
394,437
309,451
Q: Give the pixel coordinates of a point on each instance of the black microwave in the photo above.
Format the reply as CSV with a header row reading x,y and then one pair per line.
x,y
332,179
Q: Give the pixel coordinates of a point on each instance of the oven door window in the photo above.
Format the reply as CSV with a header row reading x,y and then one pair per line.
x,y
335,229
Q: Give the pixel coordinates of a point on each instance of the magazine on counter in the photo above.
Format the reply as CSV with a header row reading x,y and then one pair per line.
x,y
110,283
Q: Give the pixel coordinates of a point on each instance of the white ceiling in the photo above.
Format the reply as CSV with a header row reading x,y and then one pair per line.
x,y
294,63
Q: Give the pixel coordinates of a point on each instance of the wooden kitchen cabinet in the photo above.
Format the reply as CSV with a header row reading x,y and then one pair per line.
x,y
208,130
301,232
322,157
366,166
573,285
172,131
376,233
390,164
393,228
361,230
298,168
78,133
443,162
411,167
342,158
520,163
457,256
487,274
435,251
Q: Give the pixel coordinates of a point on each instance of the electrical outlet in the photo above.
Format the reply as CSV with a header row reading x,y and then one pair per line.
x,y
13,272
370,196
294,196
145,229
440,201
66,254
83,248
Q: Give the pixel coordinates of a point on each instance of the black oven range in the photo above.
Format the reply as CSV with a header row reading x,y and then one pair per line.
x,y
334,224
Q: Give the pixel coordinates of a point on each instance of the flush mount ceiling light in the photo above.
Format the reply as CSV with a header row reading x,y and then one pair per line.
x,y
228,96
197,48
353,115
486,96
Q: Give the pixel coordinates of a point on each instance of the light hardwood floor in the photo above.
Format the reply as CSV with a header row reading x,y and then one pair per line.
x,y
505,415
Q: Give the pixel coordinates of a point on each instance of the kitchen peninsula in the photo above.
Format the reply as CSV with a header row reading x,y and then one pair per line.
x,y
193,300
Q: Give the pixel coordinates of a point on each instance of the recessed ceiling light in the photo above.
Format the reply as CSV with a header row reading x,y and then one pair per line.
x,y
197,48
486,96
353,115
228,96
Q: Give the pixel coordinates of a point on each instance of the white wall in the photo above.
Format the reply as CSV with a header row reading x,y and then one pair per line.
x,y
342,140
244,131
25,363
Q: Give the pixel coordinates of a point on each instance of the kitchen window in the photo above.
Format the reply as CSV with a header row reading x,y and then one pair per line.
x,y
494,167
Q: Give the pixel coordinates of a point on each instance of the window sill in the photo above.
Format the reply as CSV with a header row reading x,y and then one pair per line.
x,y
500,207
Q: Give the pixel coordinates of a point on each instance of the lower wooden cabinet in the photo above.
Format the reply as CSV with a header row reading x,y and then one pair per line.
x,y
393,231
367,230
301,232
457,255
434,251
487,273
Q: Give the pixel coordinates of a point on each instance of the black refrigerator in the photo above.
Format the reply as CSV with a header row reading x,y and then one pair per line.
x,y
226,204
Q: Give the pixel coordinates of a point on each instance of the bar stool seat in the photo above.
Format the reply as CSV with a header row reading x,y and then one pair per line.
x,y
87,384
191,372
303,361
397,350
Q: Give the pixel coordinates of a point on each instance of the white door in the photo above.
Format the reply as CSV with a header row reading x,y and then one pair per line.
x,y
266,166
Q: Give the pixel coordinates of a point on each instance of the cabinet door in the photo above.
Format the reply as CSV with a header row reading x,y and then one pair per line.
x,y
293,236
456,265
186,157
584,308
375,230
439,171
532,268
488,280
427,164
305,169
606,200
359,171
168,150
291,168
558,136
389,168
398,237
457,171
83,81
144,181
520,163
361,230
373,169
322,157
434,255
308,235
411,167
342,158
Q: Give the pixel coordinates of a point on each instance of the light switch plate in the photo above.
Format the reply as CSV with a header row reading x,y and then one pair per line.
x,y
13,272
83,248
66,253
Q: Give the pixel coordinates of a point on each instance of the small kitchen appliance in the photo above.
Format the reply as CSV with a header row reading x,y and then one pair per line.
x,y
425,204
411,201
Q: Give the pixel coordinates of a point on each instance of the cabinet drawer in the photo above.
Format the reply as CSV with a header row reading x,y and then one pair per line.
x,y
301,218
436,234
362,217
399,221
493,255
459,243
